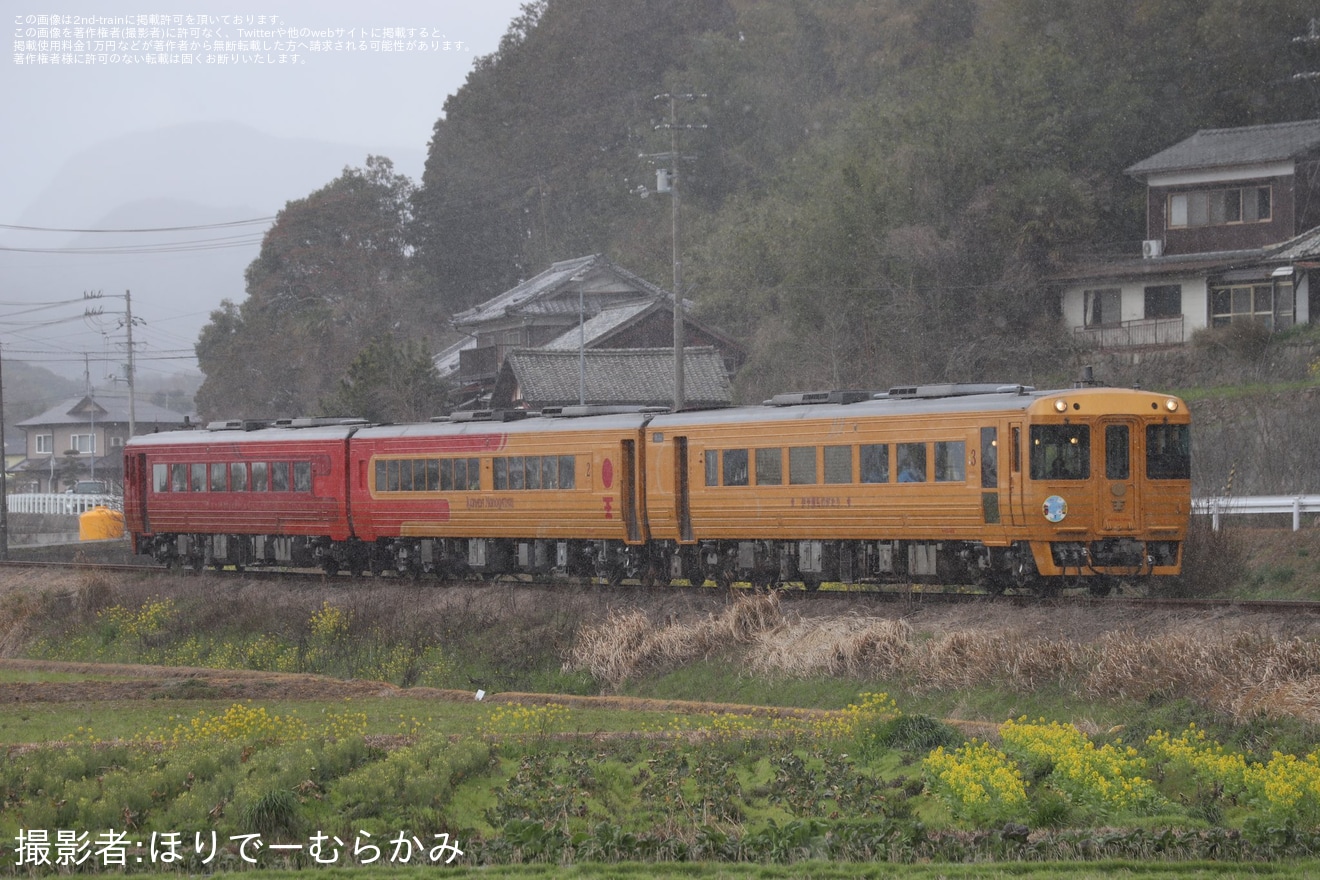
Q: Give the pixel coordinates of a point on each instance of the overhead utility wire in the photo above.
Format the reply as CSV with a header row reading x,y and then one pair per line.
x,y
225,225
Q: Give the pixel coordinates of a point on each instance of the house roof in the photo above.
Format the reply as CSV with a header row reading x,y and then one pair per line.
x,y
604,323
1221,147
105,407
640,376
537,295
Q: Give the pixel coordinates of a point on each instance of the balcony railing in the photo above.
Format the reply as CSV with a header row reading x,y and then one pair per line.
x,y
1131,334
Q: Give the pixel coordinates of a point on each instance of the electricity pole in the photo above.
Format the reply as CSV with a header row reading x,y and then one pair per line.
x,y
669,180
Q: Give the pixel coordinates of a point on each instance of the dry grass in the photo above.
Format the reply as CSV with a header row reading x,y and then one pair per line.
x,y
1238,665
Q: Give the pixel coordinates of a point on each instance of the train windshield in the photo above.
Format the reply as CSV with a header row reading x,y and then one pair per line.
x,y
1060,452
1168,452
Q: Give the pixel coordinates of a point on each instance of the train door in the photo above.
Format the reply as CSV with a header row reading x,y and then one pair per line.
x,y
682,493
1118,503
628,490
136,483
1012,478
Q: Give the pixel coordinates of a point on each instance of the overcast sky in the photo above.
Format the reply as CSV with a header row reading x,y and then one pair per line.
x,y
386,102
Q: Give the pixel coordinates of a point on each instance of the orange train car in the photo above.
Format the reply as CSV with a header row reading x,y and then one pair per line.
x,y
999,484
1002,485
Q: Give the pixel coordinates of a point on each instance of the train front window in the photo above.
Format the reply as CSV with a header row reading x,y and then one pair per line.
x,y
1060,452
1168,452
1117,459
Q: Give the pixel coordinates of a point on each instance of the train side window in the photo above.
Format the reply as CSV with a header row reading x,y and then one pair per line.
x,y
838,464
461,475
279,476
550,472
160,478
432,474
1017,450
912,462
769,467
712,468
261,476
447,475
567,477
532,472
1168,452
178,478
474,474
302,476
238,472
516,472
219,477
989,458
1060,452
735,467
802,465
1118,465
875,462
950,461
198,481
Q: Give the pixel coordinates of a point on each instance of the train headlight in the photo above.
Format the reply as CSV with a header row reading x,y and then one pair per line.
x,y
1171,405
1060,406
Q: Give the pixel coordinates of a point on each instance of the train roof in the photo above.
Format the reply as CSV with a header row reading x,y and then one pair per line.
x,y
916,400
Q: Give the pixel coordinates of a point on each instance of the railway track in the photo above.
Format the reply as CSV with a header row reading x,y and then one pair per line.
x,y
914,594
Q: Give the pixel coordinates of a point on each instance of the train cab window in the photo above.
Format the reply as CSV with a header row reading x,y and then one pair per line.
x,y
838,464
951,461
769,467
238,472
197,482
302,475
875,462
912,462
1117,452
1168,452
160,478
219,477
279,476
802,465
260,477
989,458
1060,452
735,467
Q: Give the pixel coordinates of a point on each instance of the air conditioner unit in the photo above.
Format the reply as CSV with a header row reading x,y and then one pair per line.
x,y
1152,247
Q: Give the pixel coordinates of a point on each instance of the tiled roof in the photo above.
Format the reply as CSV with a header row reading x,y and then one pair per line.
x,y
1220,147
641,376
108,408
533,295
602,324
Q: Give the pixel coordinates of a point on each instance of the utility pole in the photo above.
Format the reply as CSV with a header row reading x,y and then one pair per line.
x,y
668,181
4,488
128,326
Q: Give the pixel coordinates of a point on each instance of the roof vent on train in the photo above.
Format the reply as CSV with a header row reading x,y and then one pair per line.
x,y
320,422
238,425
598,409
805,398
951,389
488,415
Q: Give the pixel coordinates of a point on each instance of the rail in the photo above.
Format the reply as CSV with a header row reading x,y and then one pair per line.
x,y
1294,504
59,504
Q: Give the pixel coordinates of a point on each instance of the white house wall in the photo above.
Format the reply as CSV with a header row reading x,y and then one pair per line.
x,y
1132,301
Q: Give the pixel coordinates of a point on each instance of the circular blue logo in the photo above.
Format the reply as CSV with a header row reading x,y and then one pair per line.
x,y
1055,509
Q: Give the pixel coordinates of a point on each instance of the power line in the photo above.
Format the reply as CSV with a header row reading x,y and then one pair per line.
x,y
195,228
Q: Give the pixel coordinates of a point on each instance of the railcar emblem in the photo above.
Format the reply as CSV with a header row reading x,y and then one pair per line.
x,y
1055,509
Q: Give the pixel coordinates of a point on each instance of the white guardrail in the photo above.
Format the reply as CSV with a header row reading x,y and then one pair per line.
x,y
61,504
1294,504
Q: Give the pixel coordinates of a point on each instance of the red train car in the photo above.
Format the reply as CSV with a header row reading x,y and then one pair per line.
x,y
239,497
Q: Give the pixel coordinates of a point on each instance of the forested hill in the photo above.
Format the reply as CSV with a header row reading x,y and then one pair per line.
x,y
879,187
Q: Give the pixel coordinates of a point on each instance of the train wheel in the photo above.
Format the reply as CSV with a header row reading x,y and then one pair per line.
x,y
330,567
810,583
